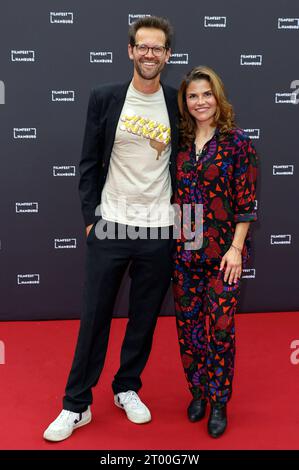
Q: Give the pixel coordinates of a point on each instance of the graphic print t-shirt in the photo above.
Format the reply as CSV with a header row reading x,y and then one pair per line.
x,y
138,185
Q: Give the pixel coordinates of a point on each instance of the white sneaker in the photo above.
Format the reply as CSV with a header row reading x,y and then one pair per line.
x,y
136,411
65,424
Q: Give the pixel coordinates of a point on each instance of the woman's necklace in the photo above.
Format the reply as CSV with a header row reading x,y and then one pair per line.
x,y
199,151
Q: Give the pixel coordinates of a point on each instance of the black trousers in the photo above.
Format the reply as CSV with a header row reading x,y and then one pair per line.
x,y
106,263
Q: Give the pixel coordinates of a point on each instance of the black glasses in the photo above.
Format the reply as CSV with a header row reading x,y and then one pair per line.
x,y
157,51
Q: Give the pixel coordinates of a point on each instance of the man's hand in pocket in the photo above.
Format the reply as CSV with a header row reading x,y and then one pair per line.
x,y
88,229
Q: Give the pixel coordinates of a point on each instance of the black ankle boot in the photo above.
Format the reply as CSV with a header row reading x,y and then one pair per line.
x,y
196,410
217,420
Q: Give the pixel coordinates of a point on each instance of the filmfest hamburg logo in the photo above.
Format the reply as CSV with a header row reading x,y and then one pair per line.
x,y
64,17
28,279
283,170
24,133
22,56
284,98
64,243
63,95
26,207
251,59
134,17
179,58
253,133
100,57
248,273
289,97
288,23
64,170
215,22
283,239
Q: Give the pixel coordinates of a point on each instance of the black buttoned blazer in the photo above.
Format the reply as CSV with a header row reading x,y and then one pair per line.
x,y
104,108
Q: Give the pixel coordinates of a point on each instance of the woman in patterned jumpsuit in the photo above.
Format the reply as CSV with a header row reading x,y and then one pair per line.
x,y
216,171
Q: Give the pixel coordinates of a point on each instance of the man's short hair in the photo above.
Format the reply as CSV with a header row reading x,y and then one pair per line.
x,y
151,22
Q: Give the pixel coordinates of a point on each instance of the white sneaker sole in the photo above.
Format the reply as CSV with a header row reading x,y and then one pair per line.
x,y
50,436
134,418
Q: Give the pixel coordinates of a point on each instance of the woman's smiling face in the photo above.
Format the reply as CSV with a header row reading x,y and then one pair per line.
x,y
201,102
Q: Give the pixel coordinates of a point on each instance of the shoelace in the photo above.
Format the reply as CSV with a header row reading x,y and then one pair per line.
x,y
133,398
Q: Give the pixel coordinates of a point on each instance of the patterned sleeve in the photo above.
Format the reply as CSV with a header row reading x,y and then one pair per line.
x,y
245,174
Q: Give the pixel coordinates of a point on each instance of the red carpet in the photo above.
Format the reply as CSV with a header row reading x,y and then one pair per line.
x,y
263,413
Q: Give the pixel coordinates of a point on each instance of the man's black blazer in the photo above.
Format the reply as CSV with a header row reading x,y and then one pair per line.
x,y
104,108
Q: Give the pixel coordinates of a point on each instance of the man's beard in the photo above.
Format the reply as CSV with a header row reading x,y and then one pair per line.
x,y
149,76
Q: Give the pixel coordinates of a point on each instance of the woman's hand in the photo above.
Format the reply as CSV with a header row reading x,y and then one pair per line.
x,y
232,262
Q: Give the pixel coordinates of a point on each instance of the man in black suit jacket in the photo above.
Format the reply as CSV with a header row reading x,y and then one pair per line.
x,y
127,177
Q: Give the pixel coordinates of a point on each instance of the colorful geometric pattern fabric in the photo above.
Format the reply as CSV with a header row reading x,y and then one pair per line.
x,y
223,180
205,306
